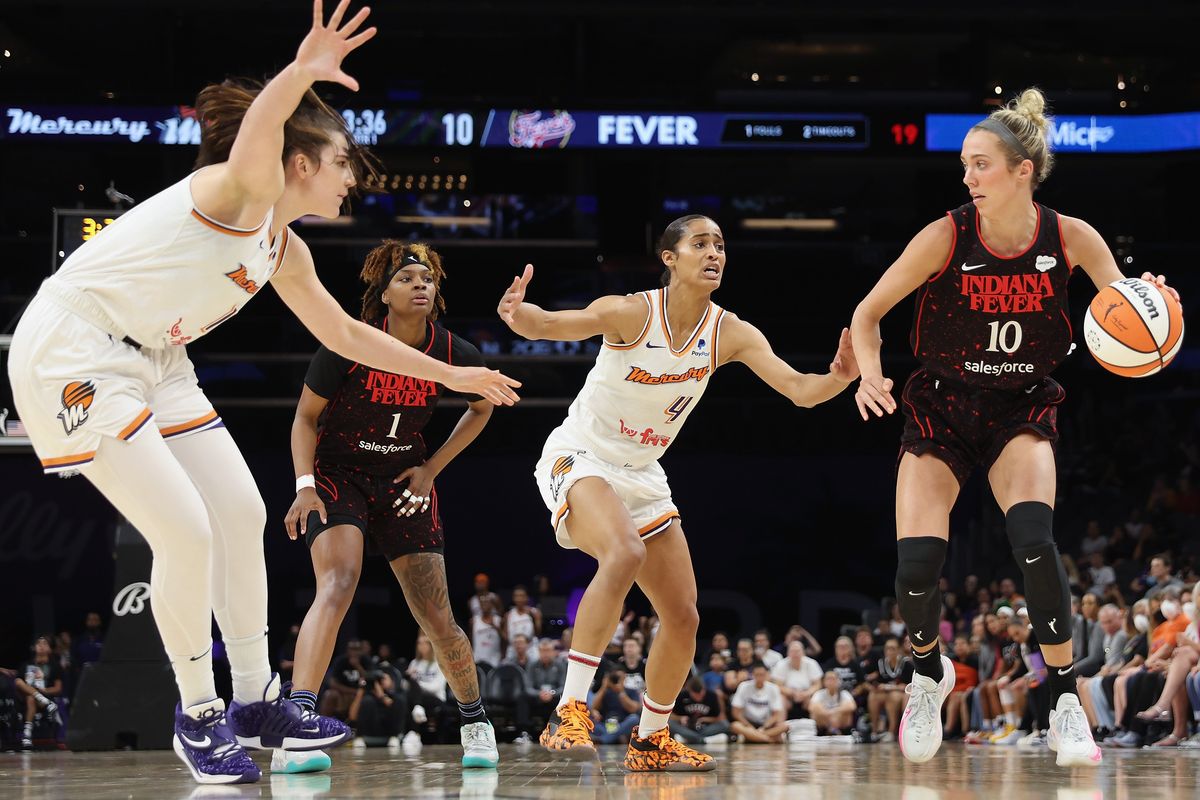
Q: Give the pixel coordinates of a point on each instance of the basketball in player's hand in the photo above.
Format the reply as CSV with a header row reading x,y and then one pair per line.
x,y
1133,328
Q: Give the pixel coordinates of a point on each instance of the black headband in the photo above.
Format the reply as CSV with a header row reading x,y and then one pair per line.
x,y
993,125
407,261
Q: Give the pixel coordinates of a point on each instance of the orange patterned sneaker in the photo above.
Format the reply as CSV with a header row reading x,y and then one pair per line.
x,y
568,734
658,752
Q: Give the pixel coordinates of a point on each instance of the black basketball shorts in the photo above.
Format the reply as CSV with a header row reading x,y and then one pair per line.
x,y
364,499
965,426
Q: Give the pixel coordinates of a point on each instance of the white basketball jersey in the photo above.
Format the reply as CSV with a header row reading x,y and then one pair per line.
x,y
165,273
638,395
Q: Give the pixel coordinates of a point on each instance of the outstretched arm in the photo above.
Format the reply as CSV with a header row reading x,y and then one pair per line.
x,y
741,341
298,287
243,188
618,319
926,253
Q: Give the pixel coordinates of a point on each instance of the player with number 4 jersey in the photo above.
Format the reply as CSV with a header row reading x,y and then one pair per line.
x,y
600,478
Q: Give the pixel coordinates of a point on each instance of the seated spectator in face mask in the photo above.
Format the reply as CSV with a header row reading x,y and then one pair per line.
x,y
699,714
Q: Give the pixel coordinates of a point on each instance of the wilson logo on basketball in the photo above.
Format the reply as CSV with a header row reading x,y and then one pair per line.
x,y
77,397
240,277
639,375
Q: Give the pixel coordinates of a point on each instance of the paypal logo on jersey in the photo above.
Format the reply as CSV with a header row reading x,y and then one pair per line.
x,y
699,351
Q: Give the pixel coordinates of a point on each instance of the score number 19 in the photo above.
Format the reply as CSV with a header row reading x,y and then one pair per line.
x,y
905,134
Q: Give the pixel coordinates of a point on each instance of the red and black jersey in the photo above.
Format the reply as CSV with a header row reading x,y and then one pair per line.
x,y
374,418
995,322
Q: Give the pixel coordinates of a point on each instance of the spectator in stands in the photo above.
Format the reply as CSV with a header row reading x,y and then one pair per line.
x,y
382,709
1105,640
624,630
812,648
1139,649
848,670
757,704
615,708
1172,702
889,677
865,650
346,676
1095,693
1159,578
987,712
1014,669
966,678
1007,593
1120,546
633,666
487,631
1075,579
543,680
798,677
520,652
1083,624
483,590
719,646
427,684
38,681
1143,687
521,618
743,661
1094,540
832,707
61,653
699,715
896,623
763,651
715,676
564,642
1100,575
89,644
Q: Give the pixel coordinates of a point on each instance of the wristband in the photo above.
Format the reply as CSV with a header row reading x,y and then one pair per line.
x,y
306,482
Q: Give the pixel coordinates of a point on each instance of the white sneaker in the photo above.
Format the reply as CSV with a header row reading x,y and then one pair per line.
x,y
921,724
393,742
293,761
1070,735
411,743
479,745
418,714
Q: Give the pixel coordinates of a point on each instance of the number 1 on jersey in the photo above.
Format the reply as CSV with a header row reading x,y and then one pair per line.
x,y
1001,336
395,424
677,407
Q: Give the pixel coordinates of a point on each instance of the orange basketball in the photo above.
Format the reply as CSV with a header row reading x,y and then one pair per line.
x,y
1133,328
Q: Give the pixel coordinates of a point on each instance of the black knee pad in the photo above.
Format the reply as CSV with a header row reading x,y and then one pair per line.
x,y
1029,528
917,593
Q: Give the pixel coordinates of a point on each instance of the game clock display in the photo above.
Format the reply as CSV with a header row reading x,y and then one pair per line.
x,y
73,227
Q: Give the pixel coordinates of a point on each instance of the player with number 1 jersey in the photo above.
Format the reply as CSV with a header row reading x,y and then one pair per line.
x,y
600,478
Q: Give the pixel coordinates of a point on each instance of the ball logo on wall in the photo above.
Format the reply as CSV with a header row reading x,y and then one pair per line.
x,y
132,599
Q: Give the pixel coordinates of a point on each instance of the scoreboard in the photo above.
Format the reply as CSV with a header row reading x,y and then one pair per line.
x,y
73,227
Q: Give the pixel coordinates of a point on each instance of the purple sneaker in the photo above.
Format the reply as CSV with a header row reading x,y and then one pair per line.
x,y
208,748
277,722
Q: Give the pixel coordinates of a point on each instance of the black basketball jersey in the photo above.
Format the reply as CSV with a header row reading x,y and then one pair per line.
x,y
995,322
374,418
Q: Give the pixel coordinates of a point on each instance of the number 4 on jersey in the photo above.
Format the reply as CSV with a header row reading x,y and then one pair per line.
x,y
677,407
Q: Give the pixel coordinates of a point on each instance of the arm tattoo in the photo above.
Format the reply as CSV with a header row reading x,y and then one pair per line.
x,y
422,576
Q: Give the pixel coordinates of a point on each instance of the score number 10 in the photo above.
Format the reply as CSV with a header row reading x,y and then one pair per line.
x,y
459,129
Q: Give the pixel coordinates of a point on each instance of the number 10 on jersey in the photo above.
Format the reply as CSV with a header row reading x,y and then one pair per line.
x,y
1006,337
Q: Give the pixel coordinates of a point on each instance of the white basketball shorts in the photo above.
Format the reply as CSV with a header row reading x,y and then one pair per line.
x,y
644,490
74,382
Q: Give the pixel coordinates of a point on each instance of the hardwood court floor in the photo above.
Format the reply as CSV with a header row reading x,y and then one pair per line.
x,y
756,772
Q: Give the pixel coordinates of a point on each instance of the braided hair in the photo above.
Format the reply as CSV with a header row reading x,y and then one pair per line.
x,y
381,266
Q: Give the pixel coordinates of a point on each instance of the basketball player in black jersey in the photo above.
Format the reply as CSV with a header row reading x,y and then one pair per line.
x,y
990,326
363,472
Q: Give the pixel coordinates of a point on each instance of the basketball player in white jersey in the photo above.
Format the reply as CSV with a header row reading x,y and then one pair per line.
x,y
599,473
104,386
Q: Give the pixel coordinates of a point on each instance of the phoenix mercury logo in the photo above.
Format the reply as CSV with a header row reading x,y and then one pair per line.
x,y
242,278
558,473
77,398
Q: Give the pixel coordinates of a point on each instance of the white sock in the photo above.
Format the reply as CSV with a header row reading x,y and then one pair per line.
x,y
654,716
1011,718
581,669
194,677
249,666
